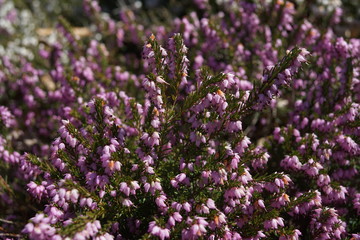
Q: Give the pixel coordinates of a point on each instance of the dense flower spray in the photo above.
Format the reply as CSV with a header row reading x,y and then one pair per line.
x,y
222,126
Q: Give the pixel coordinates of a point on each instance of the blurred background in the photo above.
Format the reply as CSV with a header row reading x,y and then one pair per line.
x,y
21,20
47,11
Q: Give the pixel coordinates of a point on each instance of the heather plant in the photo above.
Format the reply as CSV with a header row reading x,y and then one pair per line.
x,y
237,121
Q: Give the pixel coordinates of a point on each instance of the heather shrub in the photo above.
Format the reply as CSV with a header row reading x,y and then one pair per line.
x,y
238,120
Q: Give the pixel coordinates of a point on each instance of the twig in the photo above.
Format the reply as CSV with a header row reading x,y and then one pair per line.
x,y
7,221
10,235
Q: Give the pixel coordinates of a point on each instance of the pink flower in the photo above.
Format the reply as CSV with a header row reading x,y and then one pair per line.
x,y
127,202
160,201
187,206
210,203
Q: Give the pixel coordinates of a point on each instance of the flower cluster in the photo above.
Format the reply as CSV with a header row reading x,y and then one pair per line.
x,y
224,125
